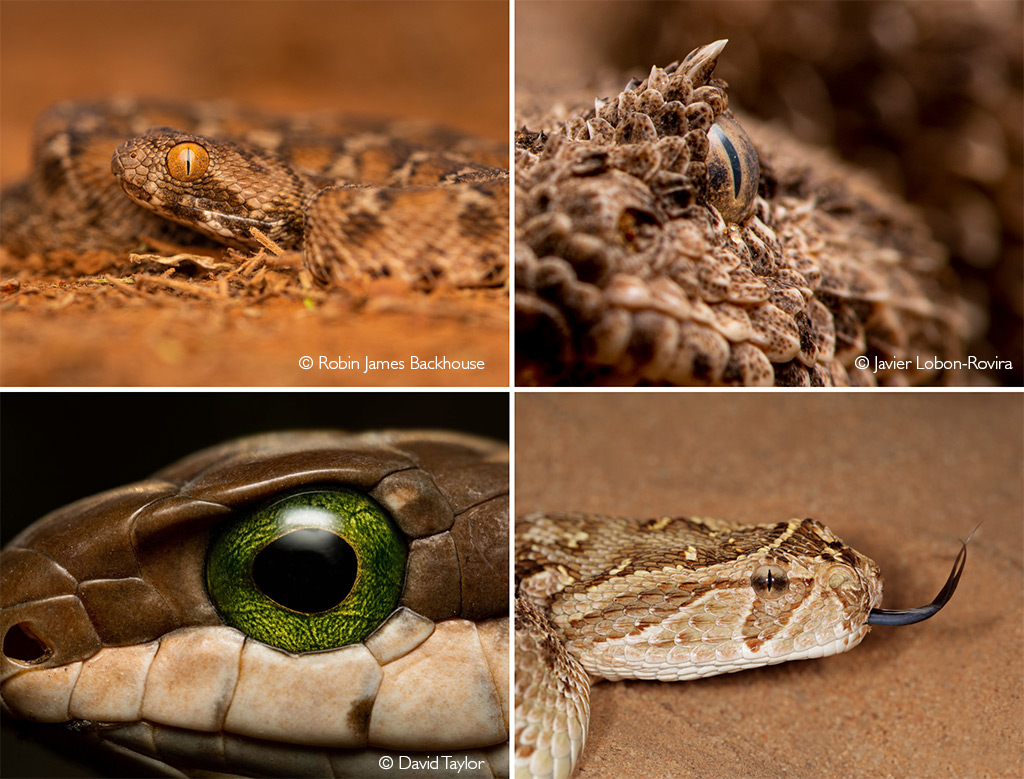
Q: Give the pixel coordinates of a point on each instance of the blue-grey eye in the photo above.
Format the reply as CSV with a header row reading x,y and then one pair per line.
x,y
733,170
312,571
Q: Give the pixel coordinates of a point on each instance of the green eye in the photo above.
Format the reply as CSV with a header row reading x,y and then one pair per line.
x,y
316,570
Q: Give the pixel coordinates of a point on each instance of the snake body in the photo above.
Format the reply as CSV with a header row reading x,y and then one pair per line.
x,y
634,266
359,198
671,599
113,634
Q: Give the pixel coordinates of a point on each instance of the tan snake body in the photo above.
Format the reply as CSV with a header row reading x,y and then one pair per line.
x,y
672,599
120,628
359,198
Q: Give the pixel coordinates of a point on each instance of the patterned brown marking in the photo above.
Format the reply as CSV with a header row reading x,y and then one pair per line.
x,y
643,624
376,165
478,221
358,716
656,525
312,157
53,174
655,589
283,164
363,223
803,336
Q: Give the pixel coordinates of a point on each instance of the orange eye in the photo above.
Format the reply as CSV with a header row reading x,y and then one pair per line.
x,y
187,161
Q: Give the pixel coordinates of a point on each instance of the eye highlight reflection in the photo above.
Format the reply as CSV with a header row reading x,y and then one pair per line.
x,y
312,571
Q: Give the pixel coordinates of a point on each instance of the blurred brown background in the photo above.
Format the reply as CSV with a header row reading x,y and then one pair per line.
x,y
442,61
928,95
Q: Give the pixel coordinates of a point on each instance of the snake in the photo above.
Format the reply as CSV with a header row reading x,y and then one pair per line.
x,y
660,240
315,603
358,198
674,599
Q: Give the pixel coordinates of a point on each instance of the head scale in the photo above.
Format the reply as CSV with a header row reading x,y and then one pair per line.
x,y
218,188
724,599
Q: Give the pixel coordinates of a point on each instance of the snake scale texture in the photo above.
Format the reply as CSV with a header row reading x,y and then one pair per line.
x,y
178,624
658,244
672,599
358,198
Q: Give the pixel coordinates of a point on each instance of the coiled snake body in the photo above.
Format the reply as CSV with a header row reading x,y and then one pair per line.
x,y
358,198
672,599
298,604
652,248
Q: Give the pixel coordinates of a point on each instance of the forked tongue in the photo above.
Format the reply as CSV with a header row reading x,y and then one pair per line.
x,y
910,616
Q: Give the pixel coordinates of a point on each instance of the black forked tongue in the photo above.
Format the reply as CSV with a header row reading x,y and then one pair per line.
x,y
910,616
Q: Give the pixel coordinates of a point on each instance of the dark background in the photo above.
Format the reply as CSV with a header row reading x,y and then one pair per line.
x,y
58,447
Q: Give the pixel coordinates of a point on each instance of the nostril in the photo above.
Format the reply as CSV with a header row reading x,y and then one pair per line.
x,y
22,645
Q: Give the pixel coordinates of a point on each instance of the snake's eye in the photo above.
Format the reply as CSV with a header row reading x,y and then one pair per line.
x,y
187,161
733,170
769,582
315,570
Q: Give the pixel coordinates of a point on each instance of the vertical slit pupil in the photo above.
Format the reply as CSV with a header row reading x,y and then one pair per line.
x,y
308,570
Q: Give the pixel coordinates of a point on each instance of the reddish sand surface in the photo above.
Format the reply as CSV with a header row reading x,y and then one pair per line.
x,y
87,333
901,478
97,323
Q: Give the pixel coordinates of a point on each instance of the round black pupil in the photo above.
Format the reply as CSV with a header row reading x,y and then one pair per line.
x,y
308,570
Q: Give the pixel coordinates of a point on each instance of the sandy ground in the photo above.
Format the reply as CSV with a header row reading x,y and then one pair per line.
x,y
445,62
87,333
900,478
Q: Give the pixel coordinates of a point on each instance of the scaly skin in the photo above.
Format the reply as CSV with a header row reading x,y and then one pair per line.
x,y
627,274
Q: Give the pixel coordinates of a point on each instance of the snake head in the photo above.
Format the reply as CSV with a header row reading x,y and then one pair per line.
x,y
211,616
220,188
672,131
688,598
